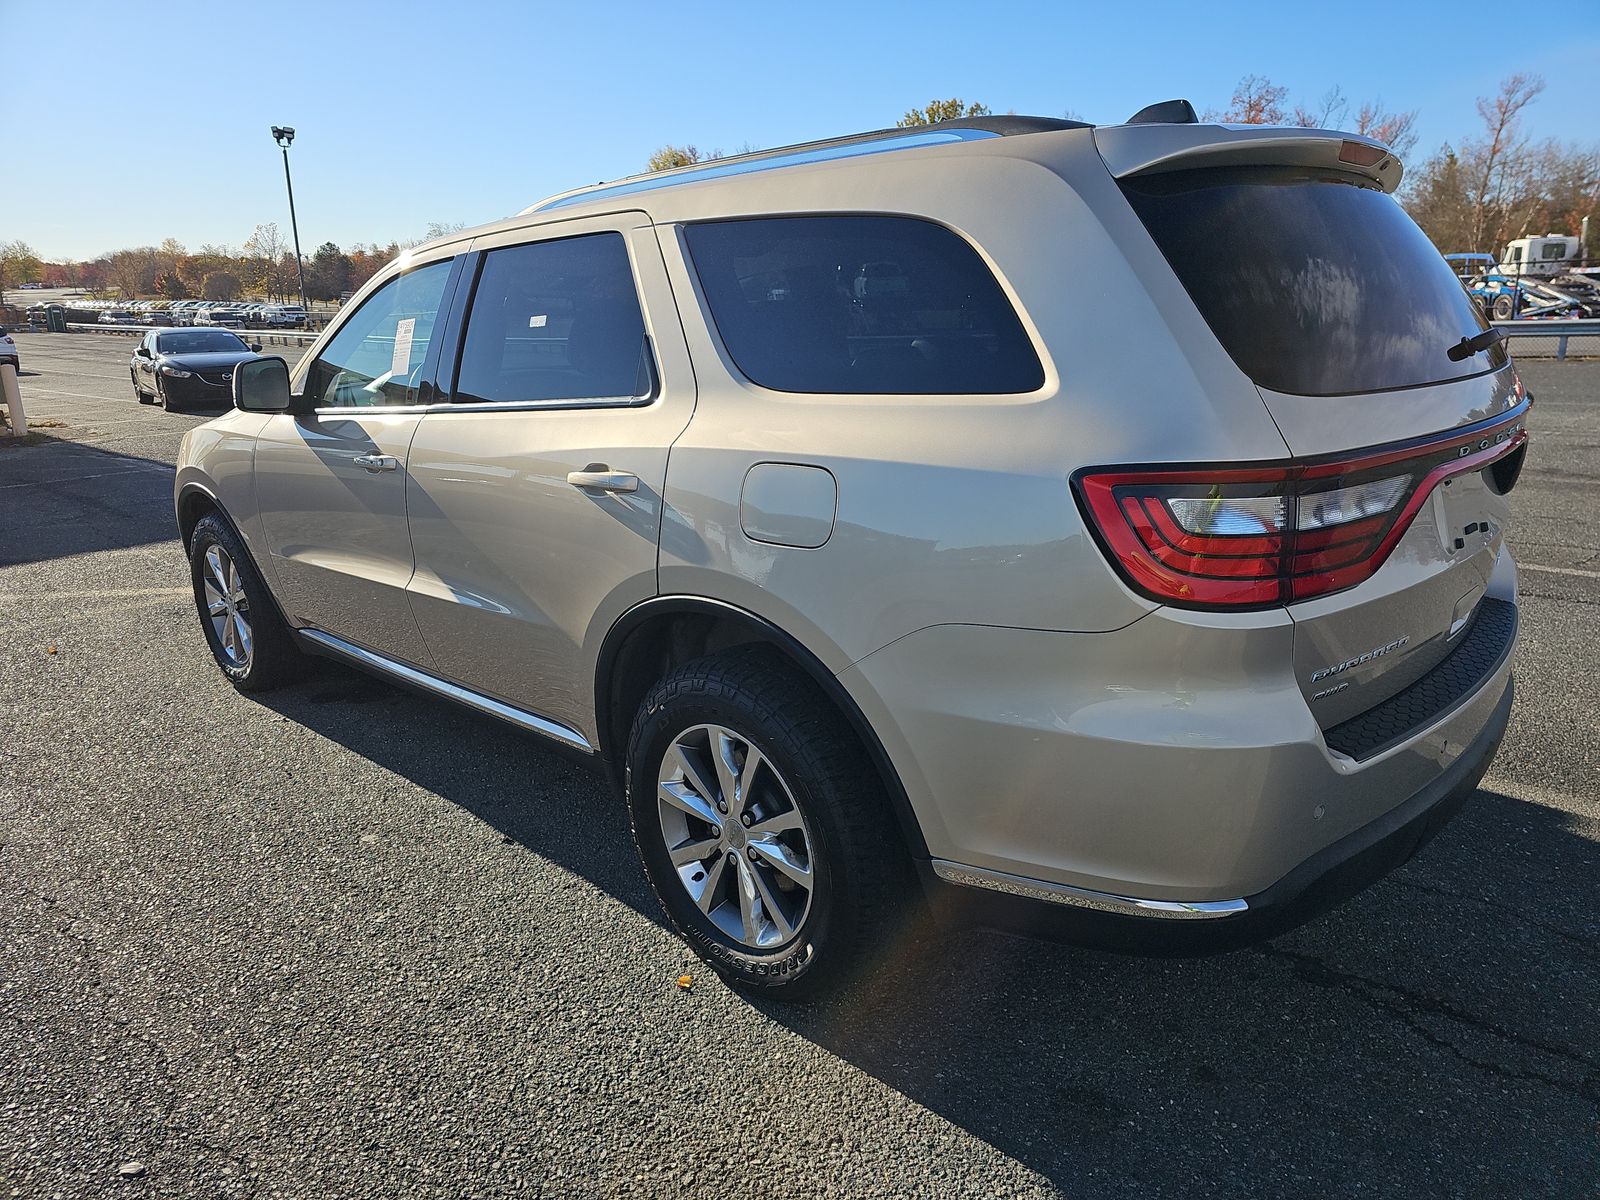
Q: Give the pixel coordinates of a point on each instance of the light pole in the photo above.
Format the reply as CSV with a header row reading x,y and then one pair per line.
x,y
283,135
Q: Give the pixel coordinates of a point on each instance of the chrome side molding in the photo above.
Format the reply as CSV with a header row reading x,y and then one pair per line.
x,y
1062,893
383,664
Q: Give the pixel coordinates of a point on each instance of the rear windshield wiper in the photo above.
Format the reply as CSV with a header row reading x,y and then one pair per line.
x,y
1468,346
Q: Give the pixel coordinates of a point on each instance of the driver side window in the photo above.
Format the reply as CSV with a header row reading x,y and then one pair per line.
x,y
377,355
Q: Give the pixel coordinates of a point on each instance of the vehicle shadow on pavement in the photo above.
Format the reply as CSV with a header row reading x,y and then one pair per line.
x,y
62,497
539,797
1438,1033
1450,1002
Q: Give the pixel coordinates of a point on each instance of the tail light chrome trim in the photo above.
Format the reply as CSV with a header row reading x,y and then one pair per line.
x,y
1248,536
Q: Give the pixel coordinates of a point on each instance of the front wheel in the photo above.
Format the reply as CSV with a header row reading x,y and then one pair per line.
x,y
1504,307
762,825
249,640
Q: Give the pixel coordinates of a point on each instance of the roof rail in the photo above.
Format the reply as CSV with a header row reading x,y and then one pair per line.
x,y
878,141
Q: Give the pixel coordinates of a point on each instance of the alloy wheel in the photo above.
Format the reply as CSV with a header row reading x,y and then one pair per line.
x,y
735,836
227,607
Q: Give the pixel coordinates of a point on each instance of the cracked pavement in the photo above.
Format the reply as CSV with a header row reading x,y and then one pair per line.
x,y
346,941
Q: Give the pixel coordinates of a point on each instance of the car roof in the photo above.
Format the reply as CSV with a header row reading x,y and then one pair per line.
x,y
856,145
1160,137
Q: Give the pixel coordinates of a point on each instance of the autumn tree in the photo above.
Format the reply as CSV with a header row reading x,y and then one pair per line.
x,y
1500,185
941,110
1256,100
365,262
133,272
220,285
261,265
1497,160
1396,130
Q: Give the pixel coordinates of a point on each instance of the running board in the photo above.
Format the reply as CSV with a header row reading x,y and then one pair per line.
x,y
477,701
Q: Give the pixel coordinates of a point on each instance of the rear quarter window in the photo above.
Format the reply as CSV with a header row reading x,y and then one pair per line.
x,y
848,304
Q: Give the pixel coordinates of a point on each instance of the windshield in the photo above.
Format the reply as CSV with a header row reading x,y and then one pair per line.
x,y
1314,282
200,341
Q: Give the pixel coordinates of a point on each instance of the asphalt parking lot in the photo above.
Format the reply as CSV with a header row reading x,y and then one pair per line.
x,y
344,941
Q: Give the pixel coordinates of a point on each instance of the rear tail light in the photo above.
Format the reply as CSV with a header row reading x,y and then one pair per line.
x,y
1255,537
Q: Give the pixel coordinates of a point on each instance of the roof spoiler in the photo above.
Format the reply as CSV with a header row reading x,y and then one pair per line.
x,y
1149,148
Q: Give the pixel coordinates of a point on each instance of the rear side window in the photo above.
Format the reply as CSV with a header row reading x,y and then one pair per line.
x,y
888,305
1315,283
555,320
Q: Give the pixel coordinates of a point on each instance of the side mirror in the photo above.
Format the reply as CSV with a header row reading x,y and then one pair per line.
x,y
143,352
262,385
255,347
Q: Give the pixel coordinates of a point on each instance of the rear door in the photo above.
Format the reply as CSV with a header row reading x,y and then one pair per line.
x,y
331,483
1332,301
535,499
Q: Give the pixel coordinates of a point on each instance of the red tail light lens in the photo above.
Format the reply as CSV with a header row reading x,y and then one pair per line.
x,y
1255,537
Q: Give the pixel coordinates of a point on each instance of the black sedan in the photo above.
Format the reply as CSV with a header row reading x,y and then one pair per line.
x,y
188,367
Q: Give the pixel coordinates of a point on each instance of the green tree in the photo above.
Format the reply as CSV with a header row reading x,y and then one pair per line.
x,y
18,264
941,110
328,273
669,156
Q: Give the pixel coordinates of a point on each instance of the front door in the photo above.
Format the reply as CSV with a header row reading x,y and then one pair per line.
x,y
535,499
331,482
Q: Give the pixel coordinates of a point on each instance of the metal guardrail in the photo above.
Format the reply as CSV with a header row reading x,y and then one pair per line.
x,y
267,337
1561,330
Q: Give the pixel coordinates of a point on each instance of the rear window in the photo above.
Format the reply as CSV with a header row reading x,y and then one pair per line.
x,y
885,305
1315,283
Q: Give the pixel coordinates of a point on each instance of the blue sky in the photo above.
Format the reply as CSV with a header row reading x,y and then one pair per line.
x,y
409,113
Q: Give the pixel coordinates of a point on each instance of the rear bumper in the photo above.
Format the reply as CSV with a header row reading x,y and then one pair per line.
x,y
1332,875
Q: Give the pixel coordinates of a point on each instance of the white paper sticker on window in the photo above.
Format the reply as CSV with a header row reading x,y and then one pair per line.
x,y
400,364
537,321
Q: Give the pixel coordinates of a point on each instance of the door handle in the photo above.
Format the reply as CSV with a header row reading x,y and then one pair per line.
x,y
601,478
377,462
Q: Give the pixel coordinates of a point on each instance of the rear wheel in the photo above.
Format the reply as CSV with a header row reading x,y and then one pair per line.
x,y
139,393
1503,308
762,825
249,640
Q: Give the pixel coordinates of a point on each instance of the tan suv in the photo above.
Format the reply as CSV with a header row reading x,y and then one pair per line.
x,y
1103,525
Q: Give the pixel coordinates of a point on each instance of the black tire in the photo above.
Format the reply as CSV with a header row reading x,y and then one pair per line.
x,y
272,658
860,875
1504,306
138,392
161,399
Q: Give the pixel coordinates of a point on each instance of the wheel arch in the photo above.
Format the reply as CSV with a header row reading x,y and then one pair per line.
x,y
195,500
659,634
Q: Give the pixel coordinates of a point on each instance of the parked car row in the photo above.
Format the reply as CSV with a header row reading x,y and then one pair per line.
x,y
247,315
